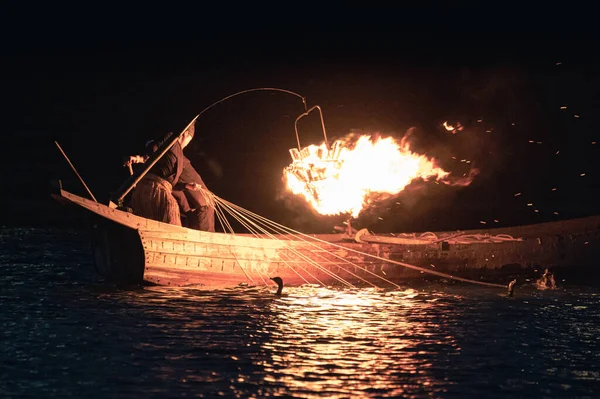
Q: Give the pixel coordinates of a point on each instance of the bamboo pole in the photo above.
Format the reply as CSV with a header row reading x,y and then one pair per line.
x,y
75,170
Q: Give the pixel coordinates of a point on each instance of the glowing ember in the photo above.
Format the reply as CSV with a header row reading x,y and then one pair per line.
x,y
343,178
448,127
453,128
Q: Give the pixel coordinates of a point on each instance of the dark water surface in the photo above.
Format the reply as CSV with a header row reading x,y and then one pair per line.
x,y
66,334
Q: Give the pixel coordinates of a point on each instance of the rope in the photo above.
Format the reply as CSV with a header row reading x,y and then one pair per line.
x,y
311,240
236,214
251,90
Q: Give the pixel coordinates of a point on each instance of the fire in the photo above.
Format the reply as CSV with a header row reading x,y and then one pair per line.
x,y
340,179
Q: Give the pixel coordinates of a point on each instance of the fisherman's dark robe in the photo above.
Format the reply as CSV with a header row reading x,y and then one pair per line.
x,y
152,197
196,204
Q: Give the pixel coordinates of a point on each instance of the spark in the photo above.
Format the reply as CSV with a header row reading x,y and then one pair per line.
x,y
517,194
453,129
447,126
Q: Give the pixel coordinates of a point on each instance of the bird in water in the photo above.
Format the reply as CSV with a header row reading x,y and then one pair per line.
x,y
511,287
279,283
547,281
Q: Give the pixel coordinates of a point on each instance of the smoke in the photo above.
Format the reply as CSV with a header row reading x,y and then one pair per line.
x,y
215,167
463,181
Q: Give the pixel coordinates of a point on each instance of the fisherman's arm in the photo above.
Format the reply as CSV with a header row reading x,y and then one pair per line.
x,y
143,158
136,159
188,186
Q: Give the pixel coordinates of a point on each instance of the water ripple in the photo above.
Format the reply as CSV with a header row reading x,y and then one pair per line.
x,y
66,334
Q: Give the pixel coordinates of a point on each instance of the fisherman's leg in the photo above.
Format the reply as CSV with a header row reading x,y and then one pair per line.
x,y
172,214
146,200
180,196
169,209
196,198
184,208
193,219
207,218
202,218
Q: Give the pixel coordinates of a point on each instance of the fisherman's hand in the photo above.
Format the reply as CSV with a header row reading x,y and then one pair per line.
x,y
193,186
134,159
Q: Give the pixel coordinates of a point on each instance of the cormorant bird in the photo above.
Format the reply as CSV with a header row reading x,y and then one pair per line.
x,y
511,287
279,283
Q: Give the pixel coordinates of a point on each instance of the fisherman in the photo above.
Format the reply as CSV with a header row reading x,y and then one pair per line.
x,y
190,192
153,196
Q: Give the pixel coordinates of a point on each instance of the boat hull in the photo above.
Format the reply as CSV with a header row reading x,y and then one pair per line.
x,y
130,249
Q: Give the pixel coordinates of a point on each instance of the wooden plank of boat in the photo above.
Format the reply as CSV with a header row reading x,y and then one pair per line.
x,y
133,248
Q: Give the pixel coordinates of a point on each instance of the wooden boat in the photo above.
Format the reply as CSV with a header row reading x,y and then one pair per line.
x,y
131,249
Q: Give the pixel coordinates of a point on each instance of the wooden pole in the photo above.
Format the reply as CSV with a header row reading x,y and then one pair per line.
x,y
75,170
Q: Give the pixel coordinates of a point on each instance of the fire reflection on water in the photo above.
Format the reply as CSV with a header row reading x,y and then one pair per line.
x,y
309,342
344,342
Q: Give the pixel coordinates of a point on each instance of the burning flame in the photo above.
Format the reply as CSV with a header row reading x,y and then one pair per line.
x,y
340,179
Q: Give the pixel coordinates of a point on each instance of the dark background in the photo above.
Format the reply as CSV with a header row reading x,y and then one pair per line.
x,y
102,92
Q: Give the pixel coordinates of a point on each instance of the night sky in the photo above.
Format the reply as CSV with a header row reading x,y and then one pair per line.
x,y
101,101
